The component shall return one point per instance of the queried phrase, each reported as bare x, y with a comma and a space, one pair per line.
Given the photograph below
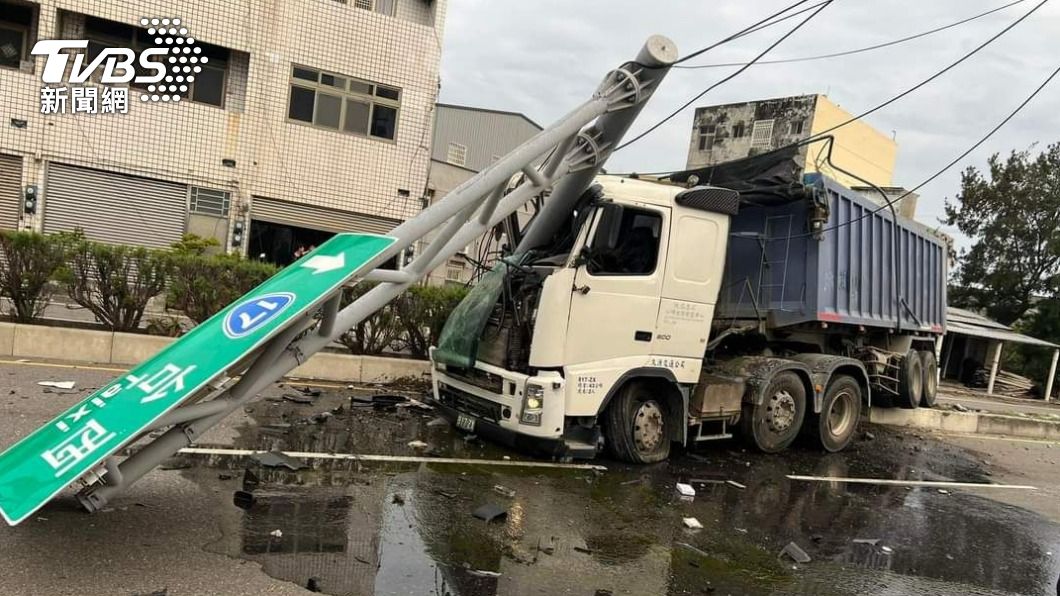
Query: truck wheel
772, 425
931, 379
840, 412
635, 426
910, 380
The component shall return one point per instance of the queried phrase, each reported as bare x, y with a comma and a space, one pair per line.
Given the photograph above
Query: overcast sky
545, 56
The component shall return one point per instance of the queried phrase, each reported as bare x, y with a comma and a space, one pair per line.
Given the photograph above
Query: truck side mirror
584, 257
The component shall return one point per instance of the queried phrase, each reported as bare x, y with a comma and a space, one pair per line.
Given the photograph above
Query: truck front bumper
509, 438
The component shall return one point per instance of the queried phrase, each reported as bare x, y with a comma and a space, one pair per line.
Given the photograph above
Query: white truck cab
632, 296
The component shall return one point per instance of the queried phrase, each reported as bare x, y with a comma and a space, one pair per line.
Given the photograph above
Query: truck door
617, 284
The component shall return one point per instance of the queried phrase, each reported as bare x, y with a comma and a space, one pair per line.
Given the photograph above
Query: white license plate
465, 422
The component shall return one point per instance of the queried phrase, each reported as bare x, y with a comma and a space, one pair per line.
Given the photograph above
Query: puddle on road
388, 529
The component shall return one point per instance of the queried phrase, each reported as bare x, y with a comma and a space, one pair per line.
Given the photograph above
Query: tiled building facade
310, 117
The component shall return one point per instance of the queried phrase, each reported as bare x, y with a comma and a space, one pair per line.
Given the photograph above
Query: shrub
115, 282
378, 332
166, 326
201, 285
28, 262
423, 311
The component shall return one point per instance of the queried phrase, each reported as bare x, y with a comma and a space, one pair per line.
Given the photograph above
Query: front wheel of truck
773, 424
635, 426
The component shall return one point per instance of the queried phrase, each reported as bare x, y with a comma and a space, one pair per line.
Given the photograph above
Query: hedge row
115, 284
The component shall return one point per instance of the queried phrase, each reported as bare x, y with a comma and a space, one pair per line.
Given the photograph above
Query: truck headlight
533, 404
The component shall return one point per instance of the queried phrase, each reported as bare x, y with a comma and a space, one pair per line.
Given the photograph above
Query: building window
795, 127
207, 201
210, 83
16, 21
762, 133
338, 102
381, 6
456, 154
706, 137
738, 130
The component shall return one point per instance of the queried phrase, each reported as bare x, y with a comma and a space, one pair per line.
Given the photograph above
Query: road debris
795, 552
243, 499
482, 573
503, 490
397, 499
490, 512
910, 483
735, 484
943, 491
276, 533
692, 523
439, 421
547, 545
418, 445
297, 399
57, 384
277, 459
961, 408
686, 490
313, 585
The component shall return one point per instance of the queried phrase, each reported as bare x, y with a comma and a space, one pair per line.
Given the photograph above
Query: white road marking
923, 483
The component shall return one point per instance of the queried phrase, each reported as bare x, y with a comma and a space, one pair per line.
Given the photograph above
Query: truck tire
772, 425
910, 380
635, 426
835, 426
930, 389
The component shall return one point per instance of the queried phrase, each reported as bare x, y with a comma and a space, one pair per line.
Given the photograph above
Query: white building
310, 117
465, 141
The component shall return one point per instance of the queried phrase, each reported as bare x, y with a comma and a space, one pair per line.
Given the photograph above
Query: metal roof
967, 322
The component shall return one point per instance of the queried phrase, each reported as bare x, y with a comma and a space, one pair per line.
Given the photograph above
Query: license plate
465, 422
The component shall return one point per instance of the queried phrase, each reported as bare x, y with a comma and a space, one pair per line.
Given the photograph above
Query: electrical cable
943, 170
823, 134
758, 26
728, 78
860, 50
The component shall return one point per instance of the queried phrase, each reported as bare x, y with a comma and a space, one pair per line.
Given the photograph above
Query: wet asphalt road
364, 529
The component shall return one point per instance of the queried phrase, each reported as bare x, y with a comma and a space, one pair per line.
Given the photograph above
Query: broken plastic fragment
692, 523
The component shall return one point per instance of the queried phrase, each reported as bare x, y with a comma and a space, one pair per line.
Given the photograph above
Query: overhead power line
949, 165
755, 27
860, 50
790, 32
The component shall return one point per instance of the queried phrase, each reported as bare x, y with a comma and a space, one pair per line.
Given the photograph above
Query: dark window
796, 127
626, 242
16, 21
738, 130
301, 104
338, 102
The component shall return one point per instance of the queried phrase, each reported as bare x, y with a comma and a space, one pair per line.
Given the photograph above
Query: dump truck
669, 312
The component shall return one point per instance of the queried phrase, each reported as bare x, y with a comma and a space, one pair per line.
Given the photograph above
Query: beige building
465, 141
310, 117
732, 131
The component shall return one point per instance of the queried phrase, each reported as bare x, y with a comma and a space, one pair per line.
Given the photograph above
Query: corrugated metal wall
10, 191
317, 218
776, 268
484, 133
114, 208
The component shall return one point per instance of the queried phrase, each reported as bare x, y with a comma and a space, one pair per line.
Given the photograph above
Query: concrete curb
128, 349
967, 422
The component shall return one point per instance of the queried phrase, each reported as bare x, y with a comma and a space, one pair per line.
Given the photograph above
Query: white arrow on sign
322, 263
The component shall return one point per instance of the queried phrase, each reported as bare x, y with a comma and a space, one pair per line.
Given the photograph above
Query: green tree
1012, 214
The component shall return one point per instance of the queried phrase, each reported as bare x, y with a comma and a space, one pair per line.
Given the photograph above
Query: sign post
39, 466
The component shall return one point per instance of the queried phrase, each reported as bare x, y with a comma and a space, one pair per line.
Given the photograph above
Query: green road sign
36, 468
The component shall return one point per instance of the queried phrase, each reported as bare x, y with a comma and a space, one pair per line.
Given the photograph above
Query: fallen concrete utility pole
919, 483
397, 458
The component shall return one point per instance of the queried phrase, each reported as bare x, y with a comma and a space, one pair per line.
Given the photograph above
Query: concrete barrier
36, 341
132, 348
967, 422
7, 339
129, 349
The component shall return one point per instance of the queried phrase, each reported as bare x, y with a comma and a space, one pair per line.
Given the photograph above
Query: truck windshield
458, 341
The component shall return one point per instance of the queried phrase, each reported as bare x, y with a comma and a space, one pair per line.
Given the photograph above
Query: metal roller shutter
317, 218
10, 191
114, 208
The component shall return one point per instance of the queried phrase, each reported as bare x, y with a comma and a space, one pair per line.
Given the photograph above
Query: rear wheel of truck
840, 411
635, 426
930, 387
910, 380
772, 425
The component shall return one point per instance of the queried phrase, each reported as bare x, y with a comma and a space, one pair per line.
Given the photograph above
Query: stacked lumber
1013, 385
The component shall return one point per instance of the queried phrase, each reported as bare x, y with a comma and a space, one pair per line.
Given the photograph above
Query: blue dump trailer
833, 257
